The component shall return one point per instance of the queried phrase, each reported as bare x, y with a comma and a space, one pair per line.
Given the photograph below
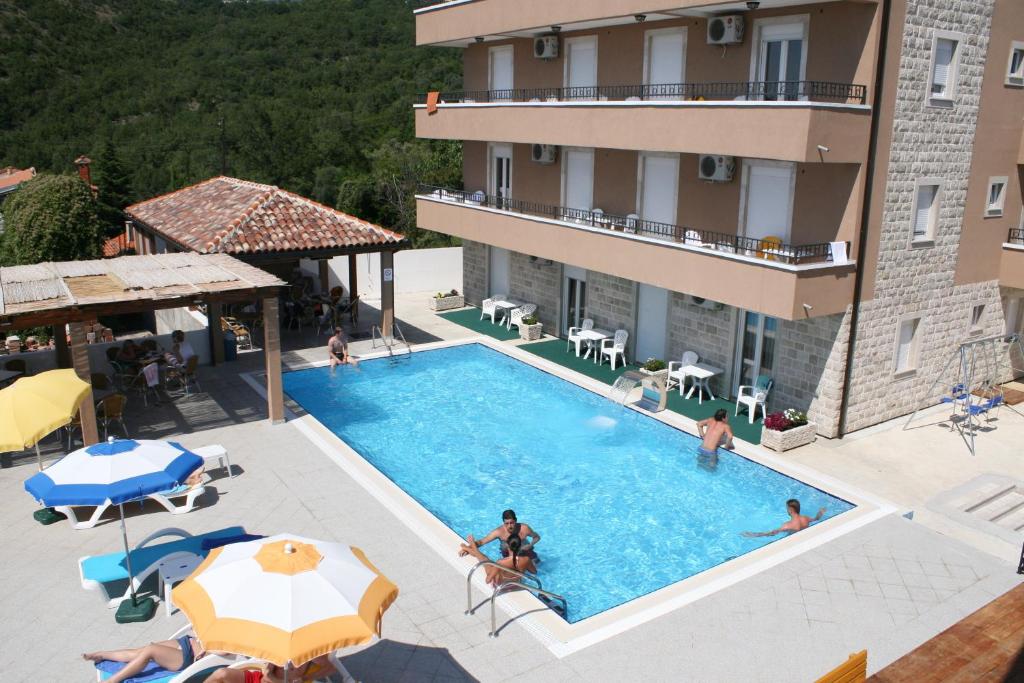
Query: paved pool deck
888, 586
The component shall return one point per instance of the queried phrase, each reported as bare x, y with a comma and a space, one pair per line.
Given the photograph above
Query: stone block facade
709, 333
927, 142
474, 271
537, 281
809, 364
611, 302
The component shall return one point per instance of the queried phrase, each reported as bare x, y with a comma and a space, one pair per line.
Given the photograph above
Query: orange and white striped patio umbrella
285, 598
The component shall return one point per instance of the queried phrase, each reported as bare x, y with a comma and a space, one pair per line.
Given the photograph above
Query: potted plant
443, 301
787, 429
531, 329
654, 367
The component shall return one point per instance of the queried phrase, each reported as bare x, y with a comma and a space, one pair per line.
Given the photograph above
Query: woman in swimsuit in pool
513, 560
173, 655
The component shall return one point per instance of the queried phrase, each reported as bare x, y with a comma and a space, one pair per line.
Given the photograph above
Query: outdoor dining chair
487, 308
614, 348
574, 335
518, 314
753, 396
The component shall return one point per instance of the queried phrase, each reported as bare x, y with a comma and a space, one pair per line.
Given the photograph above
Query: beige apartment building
825, 192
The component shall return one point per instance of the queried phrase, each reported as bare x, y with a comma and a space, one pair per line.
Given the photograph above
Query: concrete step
971, 500
998, 506
1013, 521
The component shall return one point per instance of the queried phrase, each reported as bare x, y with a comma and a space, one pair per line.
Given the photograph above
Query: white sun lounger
165, 498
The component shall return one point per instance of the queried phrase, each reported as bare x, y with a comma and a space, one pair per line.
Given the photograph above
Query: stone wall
537, 281
809, 366
936, 142
707, 332
474, 271
611, 302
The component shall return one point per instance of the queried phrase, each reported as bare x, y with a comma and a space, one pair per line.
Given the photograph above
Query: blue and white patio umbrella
117, 471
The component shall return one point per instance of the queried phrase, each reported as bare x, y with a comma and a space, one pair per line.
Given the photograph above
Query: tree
51, 218
114, 185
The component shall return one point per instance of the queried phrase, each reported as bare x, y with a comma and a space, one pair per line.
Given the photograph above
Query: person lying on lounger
797, 522
272, 673
173, 655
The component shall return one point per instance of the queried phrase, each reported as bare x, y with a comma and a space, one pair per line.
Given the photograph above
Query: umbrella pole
128, 557
39, 457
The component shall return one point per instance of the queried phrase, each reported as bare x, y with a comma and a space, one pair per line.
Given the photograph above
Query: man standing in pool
510, 526
797, 522
715, 431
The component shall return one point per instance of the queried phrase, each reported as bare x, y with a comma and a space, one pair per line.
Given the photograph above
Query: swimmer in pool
797, 522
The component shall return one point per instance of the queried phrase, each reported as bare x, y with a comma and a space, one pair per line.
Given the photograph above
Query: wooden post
325, 276
353, 287
80, 360
272, 351
214, 311
387, 292
60, 339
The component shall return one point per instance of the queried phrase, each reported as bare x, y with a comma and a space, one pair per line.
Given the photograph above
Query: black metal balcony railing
815, 91
1016, 236
772, 249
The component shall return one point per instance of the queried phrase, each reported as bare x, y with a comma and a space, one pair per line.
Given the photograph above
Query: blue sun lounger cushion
153, 673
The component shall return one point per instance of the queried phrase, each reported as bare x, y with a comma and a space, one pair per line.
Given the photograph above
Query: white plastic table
593, 339
506, 305
702, 374
175, 570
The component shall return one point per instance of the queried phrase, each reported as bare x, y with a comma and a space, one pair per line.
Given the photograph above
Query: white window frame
933, 223
1013, 324
563, 157
565, 59
741, 225
949, 96
648, 35
975, 327
995, 210
640, 182
1015, 78
493, 148
490, 63
914, 357
755, 52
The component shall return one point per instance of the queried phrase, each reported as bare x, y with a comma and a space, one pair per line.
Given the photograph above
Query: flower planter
531, 332
655, 373
791, 438
447, 302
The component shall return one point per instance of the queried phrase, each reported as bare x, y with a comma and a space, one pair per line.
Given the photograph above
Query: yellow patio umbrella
34, 406
285, 599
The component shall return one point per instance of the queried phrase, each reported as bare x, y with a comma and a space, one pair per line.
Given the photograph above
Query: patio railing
762, 91
1016, 236
769, 248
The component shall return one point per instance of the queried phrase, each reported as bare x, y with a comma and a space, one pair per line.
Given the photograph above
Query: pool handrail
505, 585
469, 580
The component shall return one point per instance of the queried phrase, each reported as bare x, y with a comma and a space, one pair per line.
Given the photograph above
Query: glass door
781, 60
575, 297
500, 180
755, 348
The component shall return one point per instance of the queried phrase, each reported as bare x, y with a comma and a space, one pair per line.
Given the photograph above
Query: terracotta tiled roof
232, 216
11, 177
116, 246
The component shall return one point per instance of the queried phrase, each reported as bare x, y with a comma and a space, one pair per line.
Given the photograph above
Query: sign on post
389, 275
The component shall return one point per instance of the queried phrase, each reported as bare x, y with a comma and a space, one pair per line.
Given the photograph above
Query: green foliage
50, 218
654, 365
313, 96
531, 320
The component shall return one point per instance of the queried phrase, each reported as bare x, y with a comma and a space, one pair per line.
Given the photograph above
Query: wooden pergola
77, 292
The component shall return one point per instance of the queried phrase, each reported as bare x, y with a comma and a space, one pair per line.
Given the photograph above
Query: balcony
803, 121
1011, 270
764, 275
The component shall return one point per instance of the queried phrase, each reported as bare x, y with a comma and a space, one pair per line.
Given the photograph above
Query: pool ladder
396, 340
544, 595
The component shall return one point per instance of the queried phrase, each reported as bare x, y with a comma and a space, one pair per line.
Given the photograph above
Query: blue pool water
618, 498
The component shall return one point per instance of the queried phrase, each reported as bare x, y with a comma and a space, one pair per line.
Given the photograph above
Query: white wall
416, 270
170, 319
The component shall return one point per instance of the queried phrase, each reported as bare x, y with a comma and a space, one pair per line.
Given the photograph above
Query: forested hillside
311, 95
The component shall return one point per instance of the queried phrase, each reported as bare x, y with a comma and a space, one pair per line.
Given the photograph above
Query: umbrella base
142, 610
47, 516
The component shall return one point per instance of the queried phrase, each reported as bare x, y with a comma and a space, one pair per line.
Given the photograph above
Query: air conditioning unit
716, 168
706, 303
545, 47
544, 154
727, 30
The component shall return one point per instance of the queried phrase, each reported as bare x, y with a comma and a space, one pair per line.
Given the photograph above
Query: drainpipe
858, 282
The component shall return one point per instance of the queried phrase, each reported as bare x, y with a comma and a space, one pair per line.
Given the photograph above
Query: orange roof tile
11, 177
116, 246
232, 216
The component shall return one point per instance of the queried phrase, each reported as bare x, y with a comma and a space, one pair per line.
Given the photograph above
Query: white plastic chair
614, 348
487, 308
632, 220
574, 335
754, 396
675, 368
693, 238
517, 315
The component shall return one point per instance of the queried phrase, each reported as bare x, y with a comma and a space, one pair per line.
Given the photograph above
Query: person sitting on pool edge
337, 350
516, 559
715, 431
797, 522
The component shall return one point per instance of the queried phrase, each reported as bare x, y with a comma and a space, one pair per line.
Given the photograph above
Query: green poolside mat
470, 317
555, 351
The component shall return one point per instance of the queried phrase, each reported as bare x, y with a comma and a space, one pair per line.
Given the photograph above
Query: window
926, 203
977, 314
996, 196
908, 339
1013, 315
1015, 69
945, 67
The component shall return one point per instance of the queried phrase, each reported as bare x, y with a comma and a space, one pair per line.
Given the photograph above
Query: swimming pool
622, 505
